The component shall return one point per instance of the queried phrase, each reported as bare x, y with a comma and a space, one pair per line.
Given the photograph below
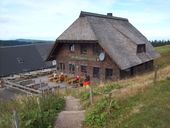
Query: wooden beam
23, 88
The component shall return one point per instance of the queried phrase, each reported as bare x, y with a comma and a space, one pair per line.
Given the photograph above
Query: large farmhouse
104, 47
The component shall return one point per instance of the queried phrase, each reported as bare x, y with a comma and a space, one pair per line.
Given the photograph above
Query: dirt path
73, 116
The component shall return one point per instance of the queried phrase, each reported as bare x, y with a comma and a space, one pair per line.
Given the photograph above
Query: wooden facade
136, 70
79, 62
83, 58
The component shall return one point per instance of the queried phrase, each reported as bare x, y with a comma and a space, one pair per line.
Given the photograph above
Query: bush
98, 91
99, 116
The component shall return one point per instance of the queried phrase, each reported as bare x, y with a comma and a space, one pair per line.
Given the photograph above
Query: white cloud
47, 19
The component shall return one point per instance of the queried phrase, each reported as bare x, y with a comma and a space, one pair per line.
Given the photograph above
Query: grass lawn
164, 60
150, 109
163, 49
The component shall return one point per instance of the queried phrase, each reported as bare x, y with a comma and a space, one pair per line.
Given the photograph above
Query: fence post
91, 96
16, 119
66, 89
155, 74
58, 90
78, 90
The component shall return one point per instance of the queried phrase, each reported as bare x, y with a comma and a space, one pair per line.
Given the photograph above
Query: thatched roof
115, 35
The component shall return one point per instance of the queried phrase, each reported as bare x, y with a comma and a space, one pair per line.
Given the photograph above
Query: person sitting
61, 77
77, 78
54, 75
86, 82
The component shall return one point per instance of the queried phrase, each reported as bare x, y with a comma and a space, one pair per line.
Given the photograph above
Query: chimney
109, 14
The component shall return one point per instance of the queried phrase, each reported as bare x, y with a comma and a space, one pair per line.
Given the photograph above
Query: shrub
99, 115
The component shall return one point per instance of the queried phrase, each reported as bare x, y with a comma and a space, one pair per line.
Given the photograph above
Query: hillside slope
149, 109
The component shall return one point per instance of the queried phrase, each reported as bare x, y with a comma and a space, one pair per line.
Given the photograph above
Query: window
109, 73
20, 60
72, 68
149, 65
83, 69
141, 48
72, 47
127, 72
83, 49
61, 66
96, 49
96, 72
58, 67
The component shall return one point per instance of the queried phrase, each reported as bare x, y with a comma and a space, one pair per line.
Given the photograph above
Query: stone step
72, 104
70, 119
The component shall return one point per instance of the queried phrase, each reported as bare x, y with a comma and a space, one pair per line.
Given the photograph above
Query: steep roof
23, 58
79, 30
115, 35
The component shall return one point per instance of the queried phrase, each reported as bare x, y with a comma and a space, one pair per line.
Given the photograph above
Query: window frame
83, 49
108, 75
96, 73
20, 60
96, 49
62, 66
83, 70
71, 68
72, 47
141, 48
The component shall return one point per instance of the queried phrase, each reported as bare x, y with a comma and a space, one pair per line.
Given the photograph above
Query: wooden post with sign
155, 74
91, 96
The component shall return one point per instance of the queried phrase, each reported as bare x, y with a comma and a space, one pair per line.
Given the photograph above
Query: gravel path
73, 116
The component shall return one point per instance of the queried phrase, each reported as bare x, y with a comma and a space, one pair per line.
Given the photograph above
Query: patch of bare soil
9, 94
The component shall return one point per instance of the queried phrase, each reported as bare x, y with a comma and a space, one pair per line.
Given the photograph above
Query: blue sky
47, 19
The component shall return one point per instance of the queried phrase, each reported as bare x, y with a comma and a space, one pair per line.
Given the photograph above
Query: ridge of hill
22, 42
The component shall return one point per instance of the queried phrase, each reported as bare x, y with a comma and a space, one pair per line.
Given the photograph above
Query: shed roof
115, 35
23, 58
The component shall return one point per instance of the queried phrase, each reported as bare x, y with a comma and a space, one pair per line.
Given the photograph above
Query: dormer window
141, 48
72, 47
20, 60
96, 49
83, 49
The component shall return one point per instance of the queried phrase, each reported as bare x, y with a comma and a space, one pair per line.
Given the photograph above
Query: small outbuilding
24, 58
104, 47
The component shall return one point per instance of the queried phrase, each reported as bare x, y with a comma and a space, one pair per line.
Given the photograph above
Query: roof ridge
122, 33
25, 45
83, 14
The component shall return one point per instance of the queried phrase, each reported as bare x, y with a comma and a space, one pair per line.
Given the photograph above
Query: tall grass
149, 109
33, 111
129, 100
164, 60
